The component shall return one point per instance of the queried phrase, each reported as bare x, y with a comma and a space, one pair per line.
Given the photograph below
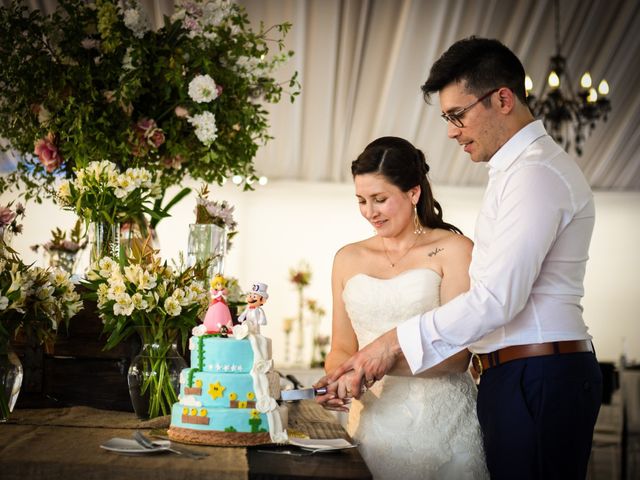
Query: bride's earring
417, 226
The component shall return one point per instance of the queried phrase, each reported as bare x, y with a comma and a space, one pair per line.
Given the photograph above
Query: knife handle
320, 391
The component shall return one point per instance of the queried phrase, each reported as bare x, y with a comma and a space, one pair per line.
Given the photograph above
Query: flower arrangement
183, 99
59, 242
101, 193
61, 251
160, 303
218, 213
34, 302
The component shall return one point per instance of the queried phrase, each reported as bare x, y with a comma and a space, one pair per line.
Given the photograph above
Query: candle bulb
603, 88
554, 80
585, 81
528, 84
593, 96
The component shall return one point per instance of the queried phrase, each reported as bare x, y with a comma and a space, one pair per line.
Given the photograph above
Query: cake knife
306, 393
302, 393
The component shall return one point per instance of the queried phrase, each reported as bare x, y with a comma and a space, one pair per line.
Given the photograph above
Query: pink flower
157, 138
6, 216
48, 153
181, 112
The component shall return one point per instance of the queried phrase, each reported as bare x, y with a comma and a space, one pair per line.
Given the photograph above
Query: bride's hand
339, 395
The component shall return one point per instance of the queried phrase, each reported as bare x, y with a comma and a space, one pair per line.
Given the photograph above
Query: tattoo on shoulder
435, 252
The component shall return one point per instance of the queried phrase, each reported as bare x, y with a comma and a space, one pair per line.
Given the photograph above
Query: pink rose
6, 216
157, 138
48, 153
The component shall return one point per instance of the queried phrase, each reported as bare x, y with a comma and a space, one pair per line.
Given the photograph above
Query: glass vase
133, 234
207, 242
10, 380
105, 240
154, 375
63, 259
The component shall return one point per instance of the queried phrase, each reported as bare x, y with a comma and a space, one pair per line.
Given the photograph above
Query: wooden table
65, 444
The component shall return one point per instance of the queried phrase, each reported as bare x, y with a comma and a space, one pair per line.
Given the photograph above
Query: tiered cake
228, 396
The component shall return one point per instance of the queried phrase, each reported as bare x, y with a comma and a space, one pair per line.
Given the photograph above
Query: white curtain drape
361, 64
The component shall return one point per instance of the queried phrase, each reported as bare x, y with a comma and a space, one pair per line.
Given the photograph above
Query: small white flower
240, 331
199, 330
281, 437
203, 89
172, 307
266, 404
139, 302
263, 366
123, 305
205, 127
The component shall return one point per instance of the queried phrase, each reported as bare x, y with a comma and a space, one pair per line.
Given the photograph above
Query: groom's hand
368, 365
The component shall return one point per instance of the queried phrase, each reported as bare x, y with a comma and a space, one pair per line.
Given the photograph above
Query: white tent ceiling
361, 64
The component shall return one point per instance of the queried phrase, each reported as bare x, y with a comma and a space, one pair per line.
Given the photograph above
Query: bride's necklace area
386, 253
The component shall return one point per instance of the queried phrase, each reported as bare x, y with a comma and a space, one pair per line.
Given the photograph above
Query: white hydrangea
136, 21
203, 89
205, 127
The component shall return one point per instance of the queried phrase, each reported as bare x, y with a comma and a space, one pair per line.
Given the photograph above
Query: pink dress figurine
218, 314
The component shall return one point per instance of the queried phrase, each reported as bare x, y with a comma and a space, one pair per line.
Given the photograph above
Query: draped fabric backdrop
361, 64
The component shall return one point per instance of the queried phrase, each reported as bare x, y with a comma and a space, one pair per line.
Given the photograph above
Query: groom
540, 383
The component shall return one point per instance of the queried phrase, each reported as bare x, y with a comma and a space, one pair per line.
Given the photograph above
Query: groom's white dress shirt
528, 263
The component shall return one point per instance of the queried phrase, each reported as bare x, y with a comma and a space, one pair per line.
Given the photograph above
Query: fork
148, 443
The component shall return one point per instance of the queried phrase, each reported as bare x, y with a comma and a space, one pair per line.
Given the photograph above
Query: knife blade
308, 393
302, 393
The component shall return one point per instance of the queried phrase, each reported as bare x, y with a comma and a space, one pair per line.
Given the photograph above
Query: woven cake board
217, 439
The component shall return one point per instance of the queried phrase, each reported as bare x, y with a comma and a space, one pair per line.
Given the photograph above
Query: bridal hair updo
404, 166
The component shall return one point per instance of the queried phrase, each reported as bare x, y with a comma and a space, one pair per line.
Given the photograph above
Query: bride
424, 426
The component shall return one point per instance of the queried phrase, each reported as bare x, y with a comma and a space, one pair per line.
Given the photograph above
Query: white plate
322, 445
131, 447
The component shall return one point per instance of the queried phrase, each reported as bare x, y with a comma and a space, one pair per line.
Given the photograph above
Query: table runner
62, 444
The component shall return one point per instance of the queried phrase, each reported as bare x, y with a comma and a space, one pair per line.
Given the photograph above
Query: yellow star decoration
216, 390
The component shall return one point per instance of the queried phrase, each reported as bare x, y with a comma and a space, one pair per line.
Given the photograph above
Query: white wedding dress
411, 427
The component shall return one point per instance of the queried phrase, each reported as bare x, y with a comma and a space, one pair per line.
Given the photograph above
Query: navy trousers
537, 416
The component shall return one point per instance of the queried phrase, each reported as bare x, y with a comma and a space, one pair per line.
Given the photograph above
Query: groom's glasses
456, 117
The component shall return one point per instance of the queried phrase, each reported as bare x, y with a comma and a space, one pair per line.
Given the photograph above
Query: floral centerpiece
102, 195
160, 303
211, 234
96, 81
33, 302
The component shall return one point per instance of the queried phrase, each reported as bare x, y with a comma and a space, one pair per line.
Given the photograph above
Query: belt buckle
476, 363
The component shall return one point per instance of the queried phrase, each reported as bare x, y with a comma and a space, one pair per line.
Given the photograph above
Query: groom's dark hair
482, 64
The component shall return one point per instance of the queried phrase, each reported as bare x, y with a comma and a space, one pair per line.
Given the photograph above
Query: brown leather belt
483, 361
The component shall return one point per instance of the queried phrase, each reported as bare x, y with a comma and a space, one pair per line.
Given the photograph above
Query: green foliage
94, 82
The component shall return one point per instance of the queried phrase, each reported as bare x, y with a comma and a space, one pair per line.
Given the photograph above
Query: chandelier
569, 117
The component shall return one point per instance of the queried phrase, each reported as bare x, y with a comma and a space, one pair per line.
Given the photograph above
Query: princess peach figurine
218, 314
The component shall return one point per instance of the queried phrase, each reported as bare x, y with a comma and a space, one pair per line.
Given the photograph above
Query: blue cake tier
216, 389
219, 419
